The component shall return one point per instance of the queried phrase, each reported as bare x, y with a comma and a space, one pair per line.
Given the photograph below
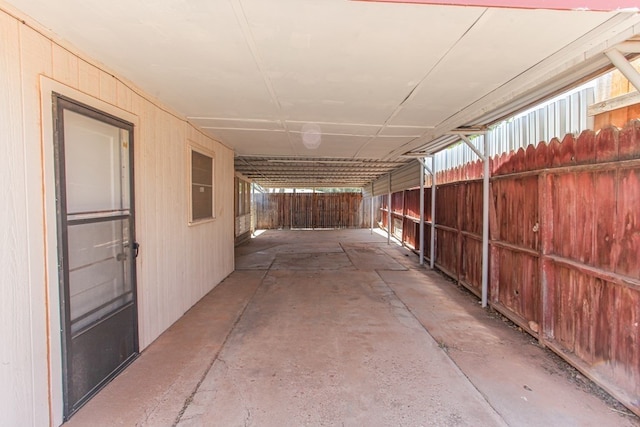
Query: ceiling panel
381, 146
500, 46
414, 131
337, 128
349, 61
230, 124
378, 79
331, 145
255, 142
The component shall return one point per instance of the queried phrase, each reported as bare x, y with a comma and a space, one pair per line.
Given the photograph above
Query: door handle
136, 249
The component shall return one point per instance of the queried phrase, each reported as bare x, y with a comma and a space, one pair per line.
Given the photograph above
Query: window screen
201, 186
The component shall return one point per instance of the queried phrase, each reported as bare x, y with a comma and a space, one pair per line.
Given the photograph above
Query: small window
201, 185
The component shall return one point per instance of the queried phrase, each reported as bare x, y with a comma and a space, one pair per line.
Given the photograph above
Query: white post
252, 207
389, 214
485, 223
624, 66
372, 196
432, 258
421, 212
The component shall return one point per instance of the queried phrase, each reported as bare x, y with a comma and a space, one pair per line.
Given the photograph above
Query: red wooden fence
564, 246
312, 210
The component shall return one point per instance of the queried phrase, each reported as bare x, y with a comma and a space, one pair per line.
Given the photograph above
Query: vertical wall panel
89, 79
65, 66
108, 91
16, 373
123, 96
35, 60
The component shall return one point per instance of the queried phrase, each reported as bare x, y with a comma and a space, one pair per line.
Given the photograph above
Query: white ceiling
379, 79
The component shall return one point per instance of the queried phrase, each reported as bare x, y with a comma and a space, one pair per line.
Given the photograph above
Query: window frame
191, 148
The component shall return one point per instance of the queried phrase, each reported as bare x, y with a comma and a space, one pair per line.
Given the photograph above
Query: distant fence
312, 210
564, 246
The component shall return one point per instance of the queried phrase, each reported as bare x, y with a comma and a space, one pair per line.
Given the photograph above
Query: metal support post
372, 196
421, 211
485, 224
389, 214
432, 258
624, 66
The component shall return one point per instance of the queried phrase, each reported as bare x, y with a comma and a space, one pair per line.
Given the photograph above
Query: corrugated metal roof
276, 172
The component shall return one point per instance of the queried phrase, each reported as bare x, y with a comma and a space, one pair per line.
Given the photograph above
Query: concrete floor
326, 328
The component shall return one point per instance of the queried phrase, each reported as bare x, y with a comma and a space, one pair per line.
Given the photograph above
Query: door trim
52, 317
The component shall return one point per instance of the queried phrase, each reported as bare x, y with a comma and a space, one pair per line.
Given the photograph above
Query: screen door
97, 249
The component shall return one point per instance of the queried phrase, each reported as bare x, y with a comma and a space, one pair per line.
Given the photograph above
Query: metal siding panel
406, 177
381, 186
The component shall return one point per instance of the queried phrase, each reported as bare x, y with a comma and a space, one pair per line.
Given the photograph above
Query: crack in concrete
408, 309
189, 399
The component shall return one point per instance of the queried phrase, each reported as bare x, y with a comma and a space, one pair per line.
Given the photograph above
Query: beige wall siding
16, 373
178, 264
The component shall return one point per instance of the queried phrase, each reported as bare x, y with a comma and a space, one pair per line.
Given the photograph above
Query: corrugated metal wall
567, 115
407, 176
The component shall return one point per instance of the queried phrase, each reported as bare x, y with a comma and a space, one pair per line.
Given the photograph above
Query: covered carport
306, 94
335, 327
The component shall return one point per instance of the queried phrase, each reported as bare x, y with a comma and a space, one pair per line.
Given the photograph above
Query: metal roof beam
465, 138
621, 63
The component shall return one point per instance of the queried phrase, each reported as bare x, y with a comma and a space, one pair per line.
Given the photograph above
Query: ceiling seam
615, 21
528, 70
241, 17
395, 112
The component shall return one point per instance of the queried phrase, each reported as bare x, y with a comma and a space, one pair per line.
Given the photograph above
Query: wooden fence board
313, 210
628, 223
605, 218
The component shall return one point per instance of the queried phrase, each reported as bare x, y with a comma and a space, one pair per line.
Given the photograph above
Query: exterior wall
178, 264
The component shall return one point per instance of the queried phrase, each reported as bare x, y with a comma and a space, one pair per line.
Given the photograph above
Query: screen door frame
60, 104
